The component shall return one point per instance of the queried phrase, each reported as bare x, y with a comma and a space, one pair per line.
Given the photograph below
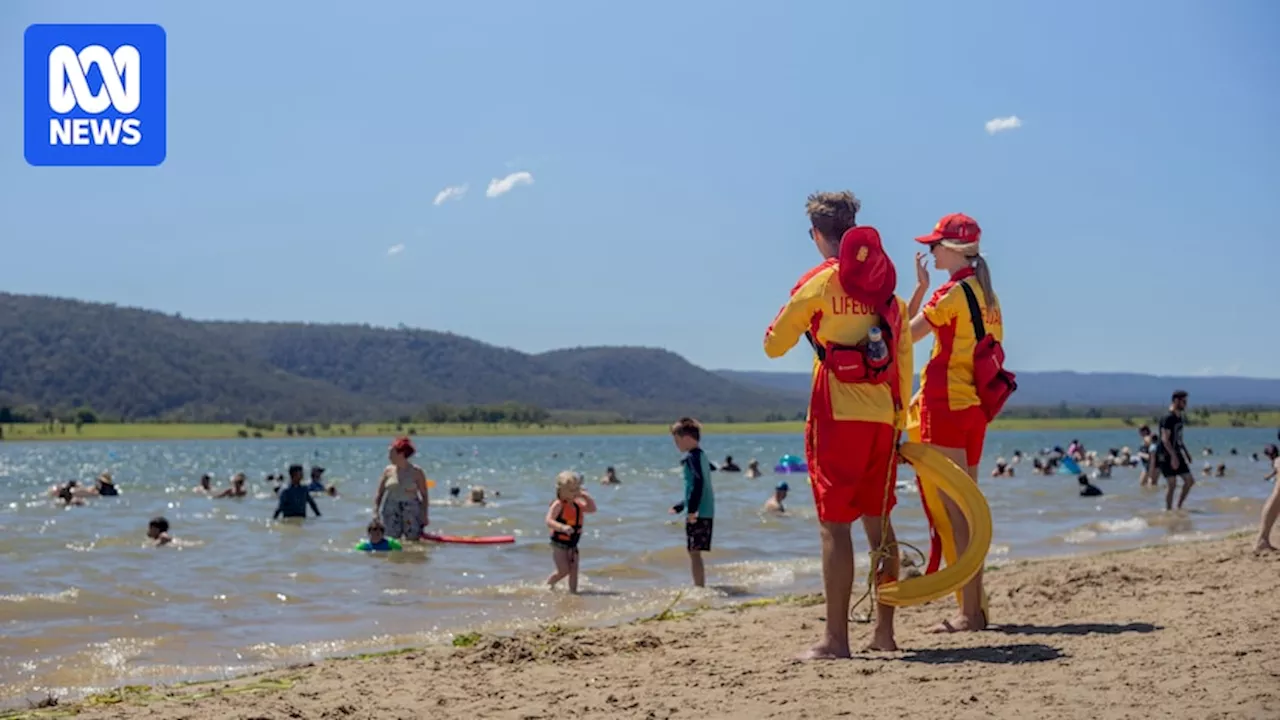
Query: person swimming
610, 477
378, 540
774, 503
237, 489
1088, 489
206, 484
1002, 469
158, 531
729, 465
753, 469
106, 486
475, 495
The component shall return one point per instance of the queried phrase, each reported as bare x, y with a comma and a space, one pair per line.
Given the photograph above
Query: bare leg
837, 585
970, 618
890, 565
1168, 493
1188, 481
573, 570
699, 571
561, 557
1270, 511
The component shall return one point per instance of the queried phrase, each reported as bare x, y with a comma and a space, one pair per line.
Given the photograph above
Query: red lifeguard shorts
957, 429
852, 465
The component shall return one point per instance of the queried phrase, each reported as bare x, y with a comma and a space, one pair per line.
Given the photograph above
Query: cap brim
930, 239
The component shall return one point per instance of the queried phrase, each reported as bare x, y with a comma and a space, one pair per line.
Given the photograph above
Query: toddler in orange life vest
564, 517
861, 386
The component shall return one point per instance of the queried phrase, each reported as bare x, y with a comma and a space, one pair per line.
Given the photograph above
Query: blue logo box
94, 95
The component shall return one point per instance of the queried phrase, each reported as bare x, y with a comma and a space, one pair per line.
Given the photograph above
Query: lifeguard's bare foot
1264, 546
881, 643
960, 623
825, 651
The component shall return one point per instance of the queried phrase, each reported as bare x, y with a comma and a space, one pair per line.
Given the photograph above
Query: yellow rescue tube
938, 477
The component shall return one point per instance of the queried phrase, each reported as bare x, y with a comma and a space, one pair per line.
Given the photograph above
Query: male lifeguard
857, 403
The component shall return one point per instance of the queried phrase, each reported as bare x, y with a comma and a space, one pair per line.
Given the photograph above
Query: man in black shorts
1172, 457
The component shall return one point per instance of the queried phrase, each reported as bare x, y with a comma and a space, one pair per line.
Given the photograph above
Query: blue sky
1130, 221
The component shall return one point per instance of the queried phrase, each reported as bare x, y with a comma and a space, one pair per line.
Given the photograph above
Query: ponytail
982, 274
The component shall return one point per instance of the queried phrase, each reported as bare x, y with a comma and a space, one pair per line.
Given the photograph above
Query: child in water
564, 517
699, 500
158, 531
378, 539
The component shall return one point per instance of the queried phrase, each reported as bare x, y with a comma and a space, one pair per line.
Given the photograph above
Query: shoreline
135, 432
1155, 594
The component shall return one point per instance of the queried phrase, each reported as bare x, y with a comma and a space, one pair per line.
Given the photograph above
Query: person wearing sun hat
106, 485
951, 415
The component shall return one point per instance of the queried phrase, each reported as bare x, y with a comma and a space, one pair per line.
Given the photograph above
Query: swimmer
610, 477
476, 495
1270, 510
1104, 468
206, 484
564, 518
158, 531
774, 504
1233, 451
455, 493
1001, 469
1207, 451
1017, 457
68, 493
106, 486
237, 489
729, 465
753, 469
317, 480
378, 540
1088, 489
295, 498
1221, 470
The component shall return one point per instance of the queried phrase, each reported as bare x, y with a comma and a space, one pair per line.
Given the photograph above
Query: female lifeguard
951, 415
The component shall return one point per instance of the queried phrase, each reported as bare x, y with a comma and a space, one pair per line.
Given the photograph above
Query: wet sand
1177, 631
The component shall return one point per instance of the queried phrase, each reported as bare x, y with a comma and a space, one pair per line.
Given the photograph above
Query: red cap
866, 272
956, 227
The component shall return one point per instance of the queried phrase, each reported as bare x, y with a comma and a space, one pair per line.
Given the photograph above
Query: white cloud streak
395, 249
999, 125
505, 185
453, 192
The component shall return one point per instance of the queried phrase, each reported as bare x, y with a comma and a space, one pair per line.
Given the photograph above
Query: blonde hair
981, 272
568, 481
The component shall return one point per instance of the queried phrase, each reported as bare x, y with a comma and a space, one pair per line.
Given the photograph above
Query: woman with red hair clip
401, 500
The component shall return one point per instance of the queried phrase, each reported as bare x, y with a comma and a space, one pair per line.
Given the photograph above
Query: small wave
1109, 528
66, 596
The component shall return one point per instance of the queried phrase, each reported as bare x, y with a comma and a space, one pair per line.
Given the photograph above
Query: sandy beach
1176, 631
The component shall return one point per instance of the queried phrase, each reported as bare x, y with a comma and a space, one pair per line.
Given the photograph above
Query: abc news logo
69, 88
95, 95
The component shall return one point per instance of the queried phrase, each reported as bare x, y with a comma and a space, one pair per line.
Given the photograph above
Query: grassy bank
184, 431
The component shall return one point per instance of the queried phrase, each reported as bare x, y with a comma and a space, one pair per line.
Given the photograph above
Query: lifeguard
861, 382
958, 395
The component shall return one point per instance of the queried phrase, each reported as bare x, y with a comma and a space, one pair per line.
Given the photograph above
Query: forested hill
126, 363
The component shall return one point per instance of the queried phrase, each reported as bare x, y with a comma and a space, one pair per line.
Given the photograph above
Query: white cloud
453, 192
504, 186
997, 125
395, 249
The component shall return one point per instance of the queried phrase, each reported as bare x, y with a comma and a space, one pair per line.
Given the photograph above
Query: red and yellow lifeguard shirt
819, 305
949, 375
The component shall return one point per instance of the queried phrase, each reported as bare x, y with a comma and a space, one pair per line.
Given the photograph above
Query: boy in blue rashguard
699, 499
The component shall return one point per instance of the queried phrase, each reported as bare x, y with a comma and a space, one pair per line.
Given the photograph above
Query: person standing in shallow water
401, 499
951, 417
1172, 457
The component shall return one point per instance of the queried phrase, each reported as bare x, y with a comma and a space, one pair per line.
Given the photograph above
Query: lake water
85, 604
